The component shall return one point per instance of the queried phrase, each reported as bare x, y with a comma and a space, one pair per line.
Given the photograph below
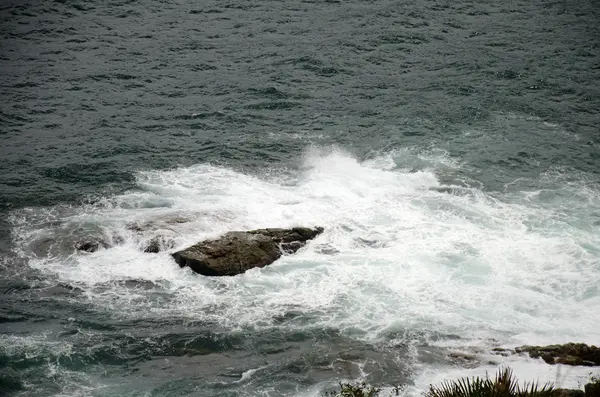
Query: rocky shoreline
576, 354
567, 354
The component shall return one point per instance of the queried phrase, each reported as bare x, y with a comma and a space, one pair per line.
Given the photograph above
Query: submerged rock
502, 351
91, 245
568, 354
161, 223
42, 247
60, 289
236, 252
157, 244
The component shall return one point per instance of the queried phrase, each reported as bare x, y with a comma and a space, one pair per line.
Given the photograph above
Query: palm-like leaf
503, 385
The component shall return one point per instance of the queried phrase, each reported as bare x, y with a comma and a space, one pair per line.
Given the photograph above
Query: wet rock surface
166, 222
238, 251
567, 354
157, 244
91, 245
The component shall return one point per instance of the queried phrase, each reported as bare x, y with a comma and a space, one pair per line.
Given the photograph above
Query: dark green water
451, 149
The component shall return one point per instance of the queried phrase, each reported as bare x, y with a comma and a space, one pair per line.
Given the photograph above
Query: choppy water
450, 149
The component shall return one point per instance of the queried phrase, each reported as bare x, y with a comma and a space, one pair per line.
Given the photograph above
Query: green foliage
592, 388
361, 389
503, 385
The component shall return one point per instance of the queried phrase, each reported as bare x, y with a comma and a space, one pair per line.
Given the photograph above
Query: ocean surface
450, 149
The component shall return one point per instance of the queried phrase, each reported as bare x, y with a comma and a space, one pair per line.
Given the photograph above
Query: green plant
592, 388
361, 389
503, 385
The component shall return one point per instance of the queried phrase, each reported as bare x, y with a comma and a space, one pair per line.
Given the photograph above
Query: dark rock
152, 246
568, 393
138, 284
592, 389
459, 357
502, 351
158, 243
135, 227
91, 246
236, 252
568, 354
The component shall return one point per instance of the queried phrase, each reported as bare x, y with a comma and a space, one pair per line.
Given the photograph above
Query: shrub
361, 389
503, 385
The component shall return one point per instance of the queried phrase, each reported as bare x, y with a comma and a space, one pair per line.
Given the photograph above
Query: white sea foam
400, 252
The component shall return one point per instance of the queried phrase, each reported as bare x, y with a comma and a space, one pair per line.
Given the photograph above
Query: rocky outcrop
236, 252
568, 354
